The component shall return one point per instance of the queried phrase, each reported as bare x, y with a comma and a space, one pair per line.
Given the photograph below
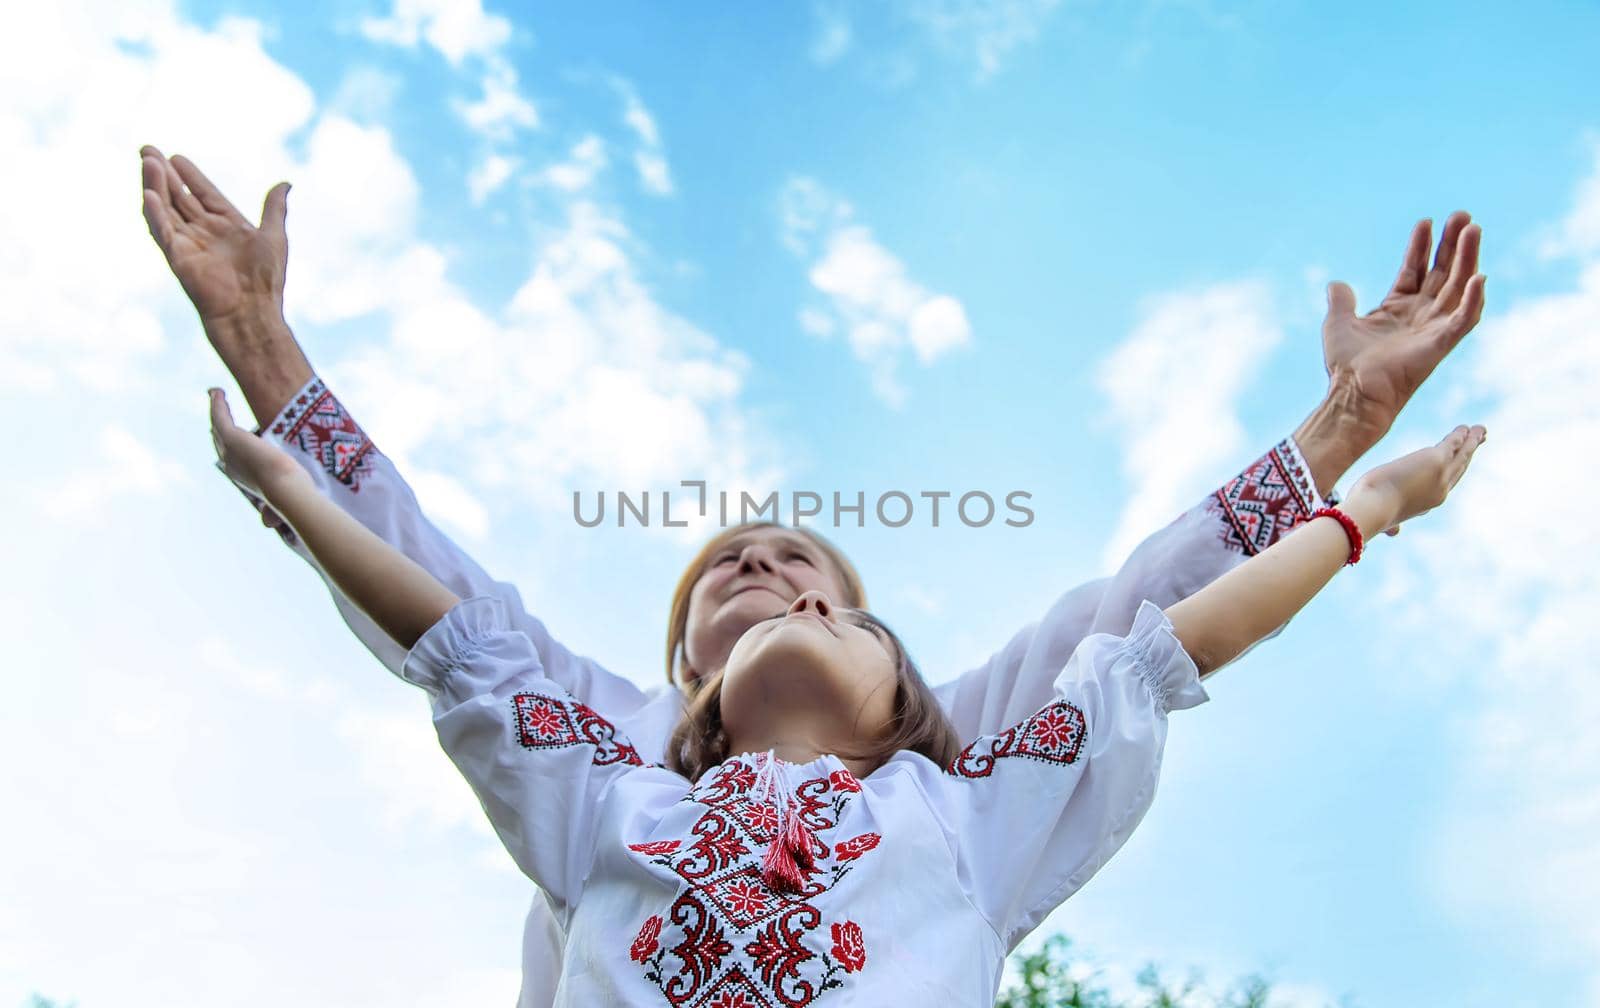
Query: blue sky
895, 245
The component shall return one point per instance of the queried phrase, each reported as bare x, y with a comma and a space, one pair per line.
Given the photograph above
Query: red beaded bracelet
1350, 530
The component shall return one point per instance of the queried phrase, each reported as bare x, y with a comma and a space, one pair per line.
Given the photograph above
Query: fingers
153, 172
181, 199
1341, 300
159, 220
1469, 311
208, 194
221, 415
1445, 256
1415, 264
275, 210
1462, 268
158, 213
1463, 441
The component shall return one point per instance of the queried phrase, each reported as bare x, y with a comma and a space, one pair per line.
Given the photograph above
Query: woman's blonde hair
855, 596
700, 742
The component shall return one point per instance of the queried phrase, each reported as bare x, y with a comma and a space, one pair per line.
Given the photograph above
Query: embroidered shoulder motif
1054, 735
730, 941
1273, 496
547, 722
318, 424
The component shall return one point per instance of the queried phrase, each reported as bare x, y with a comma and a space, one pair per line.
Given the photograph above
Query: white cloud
489, 175
984, 31
654, 174
456, 28
365, 94
649, 158
979, 33
503, 110
832, 35
1191, 355
1513, 560
1578, 233
122, 464
397, 756
585, 161
870, 296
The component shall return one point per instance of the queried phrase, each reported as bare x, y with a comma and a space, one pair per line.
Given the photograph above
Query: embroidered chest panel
733, 937
729, 940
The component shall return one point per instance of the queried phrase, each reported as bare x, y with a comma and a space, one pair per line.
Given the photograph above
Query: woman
816, 830
234, 272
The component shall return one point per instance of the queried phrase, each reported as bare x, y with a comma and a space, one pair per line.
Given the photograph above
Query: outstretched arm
234, 273
399, 596
1223, 619
1030, 830
539, 761
1375, 363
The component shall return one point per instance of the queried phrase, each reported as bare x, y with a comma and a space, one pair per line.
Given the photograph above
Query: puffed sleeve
1035, 810
540, 762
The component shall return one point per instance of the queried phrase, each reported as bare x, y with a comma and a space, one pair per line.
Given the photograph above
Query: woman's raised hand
226, 265
257, 464
1417, 483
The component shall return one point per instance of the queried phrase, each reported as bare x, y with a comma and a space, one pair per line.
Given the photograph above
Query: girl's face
811, 672
754, 575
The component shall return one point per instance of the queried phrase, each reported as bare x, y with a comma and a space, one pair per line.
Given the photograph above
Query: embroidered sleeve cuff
315, 427
1271, 498
461, 632
294, 407
1160, 660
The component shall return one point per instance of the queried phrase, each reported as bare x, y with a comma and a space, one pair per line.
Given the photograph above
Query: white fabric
1171, 564
925, 877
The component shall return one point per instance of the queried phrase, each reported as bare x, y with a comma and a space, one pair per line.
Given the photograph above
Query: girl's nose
813, 601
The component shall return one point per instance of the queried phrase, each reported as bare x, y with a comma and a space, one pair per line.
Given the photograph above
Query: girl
817, 834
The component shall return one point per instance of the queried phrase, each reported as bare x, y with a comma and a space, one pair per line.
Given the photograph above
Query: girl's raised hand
1417, 483
259, 465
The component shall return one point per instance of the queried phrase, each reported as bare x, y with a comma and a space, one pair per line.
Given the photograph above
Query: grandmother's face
755, 574
812, 658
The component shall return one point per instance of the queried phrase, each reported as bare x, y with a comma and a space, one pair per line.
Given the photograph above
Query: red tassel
779, 870
800, 842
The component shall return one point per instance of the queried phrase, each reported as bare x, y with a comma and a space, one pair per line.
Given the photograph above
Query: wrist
1373, 510
1341, 429
259, 349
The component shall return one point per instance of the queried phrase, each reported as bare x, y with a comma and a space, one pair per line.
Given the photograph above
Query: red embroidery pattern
655, 847
1054, 735
318, 424
644, 946
547, 722
848, 947
731, 941
1272, 497
844, 780
855, 846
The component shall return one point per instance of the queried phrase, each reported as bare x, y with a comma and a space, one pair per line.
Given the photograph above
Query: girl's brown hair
699, 742
855, 596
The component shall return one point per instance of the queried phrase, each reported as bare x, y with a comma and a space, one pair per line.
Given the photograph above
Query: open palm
226, 264
1381, 358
